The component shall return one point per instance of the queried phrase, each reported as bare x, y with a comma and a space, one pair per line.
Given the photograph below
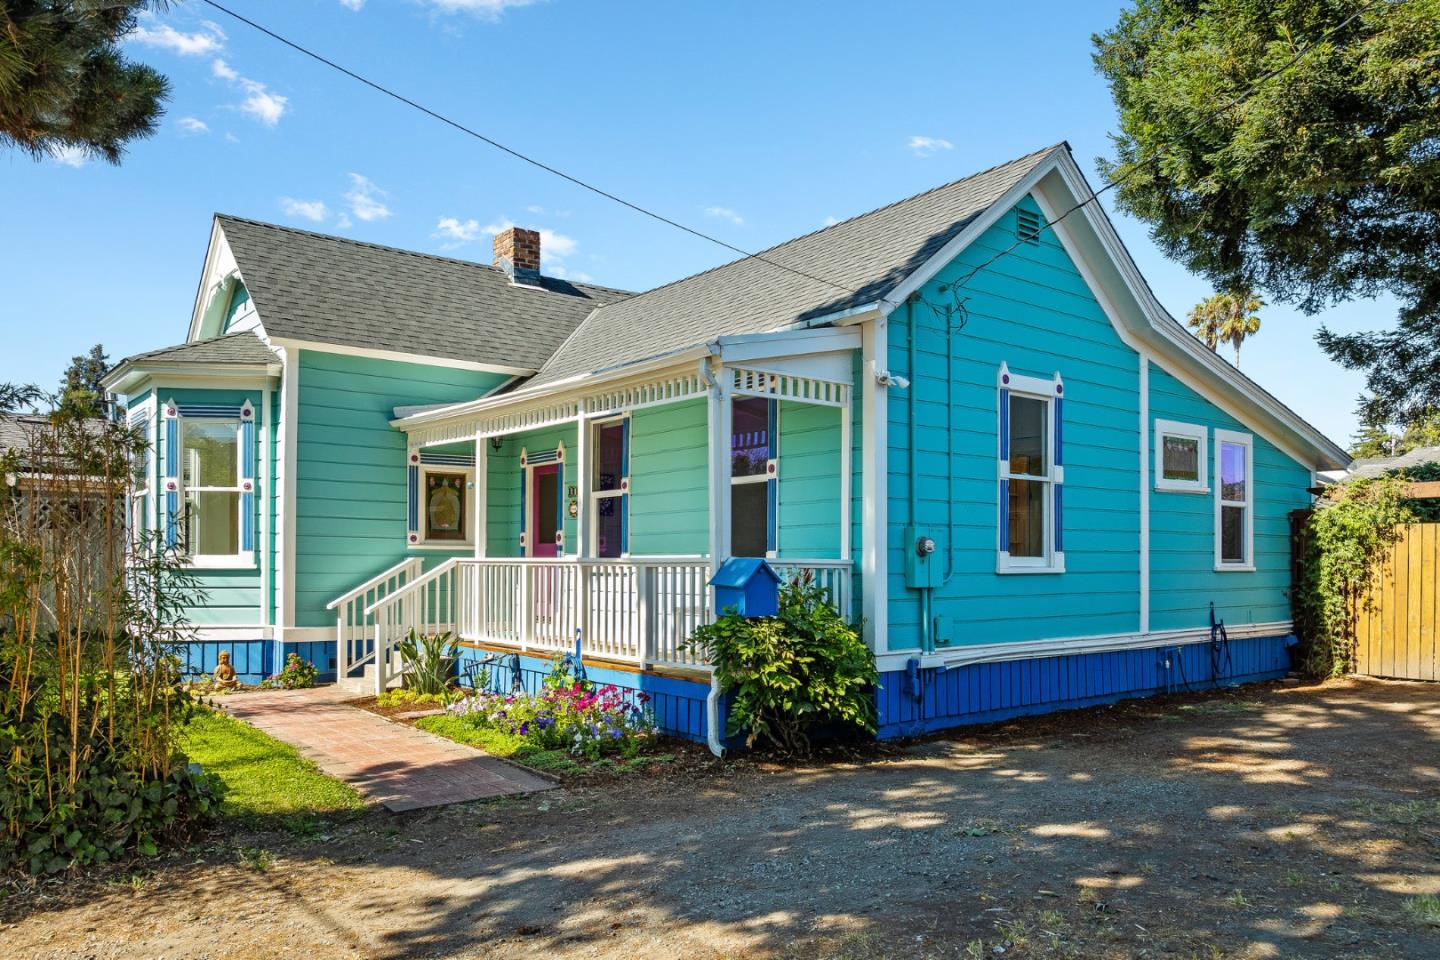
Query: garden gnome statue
225, 677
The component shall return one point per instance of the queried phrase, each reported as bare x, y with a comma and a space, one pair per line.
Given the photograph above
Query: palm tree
1239, 319
1205, 321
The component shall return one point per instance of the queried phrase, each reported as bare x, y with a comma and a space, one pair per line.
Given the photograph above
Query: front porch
599, 516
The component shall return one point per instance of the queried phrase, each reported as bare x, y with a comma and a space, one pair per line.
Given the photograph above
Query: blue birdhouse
749, 585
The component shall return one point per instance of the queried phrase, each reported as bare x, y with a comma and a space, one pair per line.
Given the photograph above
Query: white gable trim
1150, 325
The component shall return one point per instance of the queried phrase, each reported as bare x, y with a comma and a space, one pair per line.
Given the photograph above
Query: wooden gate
1395, 632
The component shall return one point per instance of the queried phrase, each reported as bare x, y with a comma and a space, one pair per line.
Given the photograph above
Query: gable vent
1028, 226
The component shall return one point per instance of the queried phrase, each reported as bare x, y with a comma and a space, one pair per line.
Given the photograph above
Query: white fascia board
787, 343
488, 404
428, 360
202, 291
847, 317
186, 375
982, 222
1163, 332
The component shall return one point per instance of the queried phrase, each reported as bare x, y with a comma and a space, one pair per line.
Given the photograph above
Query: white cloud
192, 125
231, 138
364, 199
484, 9
312, 210
342, 222
725, 213
831, 220
259, 102
457, 231
210, 39
352, 4
560, 273
925, 146
70, 156
540, 211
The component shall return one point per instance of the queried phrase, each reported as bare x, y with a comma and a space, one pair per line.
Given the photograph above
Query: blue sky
753, 121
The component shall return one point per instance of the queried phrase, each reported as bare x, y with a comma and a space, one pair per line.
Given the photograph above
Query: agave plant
428, 659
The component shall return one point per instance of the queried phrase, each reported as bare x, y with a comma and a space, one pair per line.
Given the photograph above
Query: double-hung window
1031, 475
210, 464
1234, 501
1181, 458
608, 488
752, 477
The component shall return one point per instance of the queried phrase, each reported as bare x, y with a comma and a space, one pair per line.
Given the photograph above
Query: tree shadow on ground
1260, 823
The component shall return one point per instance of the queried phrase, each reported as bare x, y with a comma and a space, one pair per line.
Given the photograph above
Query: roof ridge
831, 226
315, 234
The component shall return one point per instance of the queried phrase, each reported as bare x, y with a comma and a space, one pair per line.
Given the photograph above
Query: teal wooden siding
350, 468
1183, 578
226, 597
808, 510
502, 496
669, 476
1033, 311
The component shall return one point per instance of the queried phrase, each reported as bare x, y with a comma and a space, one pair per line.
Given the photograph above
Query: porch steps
363, 684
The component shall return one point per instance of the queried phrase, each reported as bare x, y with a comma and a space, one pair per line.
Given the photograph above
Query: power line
746, 254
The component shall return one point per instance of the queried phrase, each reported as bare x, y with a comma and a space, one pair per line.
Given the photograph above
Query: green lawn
263, 777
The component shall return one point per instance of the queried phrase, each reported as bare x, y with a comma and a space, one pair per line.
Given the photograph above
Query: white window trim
593, 532
772, 470
1248, 442
427, 544
1189, 431
1034, 388
214, 561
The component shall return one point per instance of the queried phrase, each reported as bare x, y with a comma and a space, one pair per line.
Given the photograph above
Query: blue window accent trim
1004, 424
772, 489
1004, 515
210, 410
447, 459
247, 484
412, 481
542, 458
1059, 518
524, 495
772, 486
172, 475
1059, 431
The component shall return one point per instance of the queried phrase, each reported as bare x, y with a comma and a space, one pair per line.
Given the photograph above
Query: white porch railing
638, 610
354, 627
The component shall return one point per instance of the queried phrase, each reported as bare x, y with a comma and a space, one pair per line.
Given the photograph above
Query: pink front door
544, 510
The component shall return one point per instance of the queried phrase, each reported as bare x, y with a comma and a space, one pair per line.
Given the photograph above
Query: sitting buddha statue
225, 676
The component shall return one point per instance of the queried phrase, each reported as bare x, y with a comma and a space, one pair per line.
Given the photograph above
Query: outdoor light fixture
495, 443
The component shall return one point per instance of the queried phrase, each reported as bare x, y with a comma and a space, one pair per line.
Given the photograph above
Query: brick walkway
399, 766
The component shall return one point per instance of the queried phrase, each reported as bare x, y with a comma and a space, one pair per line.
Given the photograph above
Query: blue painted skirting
678, 705
253, 660
986, 692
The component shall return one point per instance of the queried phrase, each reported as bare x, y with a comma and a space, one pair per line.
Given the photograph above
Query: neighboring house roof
1378, 466
316, 288
23, 433
860, 260
16, 429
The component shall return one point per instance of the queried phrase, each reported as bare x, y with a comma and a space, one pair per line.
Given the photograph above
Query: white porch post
581, 548
847, 419
719, 461
875, 442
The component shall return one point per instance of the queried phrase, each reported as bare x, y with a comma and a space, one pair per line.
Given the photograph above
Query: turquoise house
1034, 488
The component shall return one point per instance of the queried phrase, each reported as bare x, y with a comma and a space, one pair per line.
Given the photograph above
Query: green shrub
404, 696
792, 673
428, 660
299, 674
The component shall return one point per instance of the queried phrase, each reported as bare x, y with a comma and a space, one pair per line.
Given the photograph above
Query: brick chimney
517, 252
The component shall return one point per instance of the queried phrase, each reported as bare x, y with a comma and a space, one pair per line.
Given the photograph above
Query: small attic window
1028, 225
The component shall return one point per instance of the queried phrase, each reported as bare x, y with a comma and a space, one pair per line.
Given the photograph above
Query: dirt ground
1266, 823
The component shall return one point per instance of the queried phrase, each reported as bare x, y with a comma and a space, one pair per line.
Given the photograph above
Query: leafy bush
428, 660
404, 696
1352, 527
91, 703
792, 673
298, 674
587, 723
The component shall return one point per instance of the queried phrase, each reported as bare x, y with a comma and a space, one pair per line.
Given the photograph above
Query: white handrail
372, 582
413, 585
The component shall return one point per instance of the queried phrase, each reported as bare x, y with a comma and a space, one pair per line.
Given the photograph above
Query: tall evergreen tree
80, 390
1324, 185
64, 83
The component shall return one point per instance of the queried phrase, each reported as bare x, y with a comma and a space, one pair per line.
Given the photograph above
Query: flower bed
570, 717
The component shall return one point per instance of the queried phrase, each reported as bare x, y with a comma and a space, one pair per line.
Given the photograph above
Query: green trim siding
1183, 578
350, 468
1033, 311
808, 511
669, 480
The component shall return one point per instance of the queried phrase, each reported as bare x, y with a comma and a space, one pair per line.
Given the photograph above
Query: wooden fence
1395, 625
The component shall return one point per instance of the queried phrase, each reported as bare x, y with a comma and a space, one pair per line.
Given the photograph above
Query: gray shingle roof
1379, 466
243, 347
864, 257
308, 286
